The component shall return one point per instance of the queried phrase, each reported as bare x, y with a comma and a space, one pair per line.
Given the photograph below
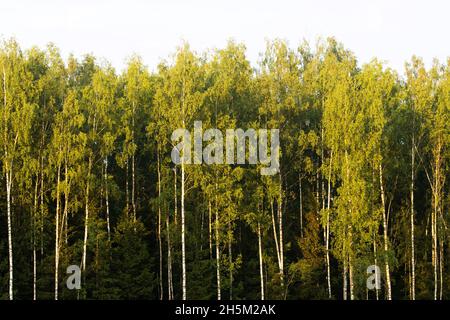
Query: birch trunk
261, 275
230, 260
161, 288
413, 275
183, 240
350, 277
275, 234
327, 239
385, 236
210, 229
376, 264
133, 186
280, 225
10, 246
300, 203
219, 289
8, 166
127, 196
58, 205
169, 260
108, 223
434, 234
133, 164
33, 222
344, 279
42, 208
86, 218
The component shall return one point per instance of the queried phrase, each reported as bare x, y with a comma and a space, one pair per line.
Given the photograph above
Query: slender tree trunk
441, 267
8, 194
127, 192
261, 275
435, 243
219, 288
434, 247
183, 235
376, 264
169, 250
42, 209
175, 196
436, 208
133, 186
230, 260
300, 203
58, 206
210, 229
64, 223
169, 259
86, 217
327, 239
275, 234
133, 165
108, 222
280, 225
350, 277
413, 264
344, 278
10, 245
33, 222
385, 236
161, 288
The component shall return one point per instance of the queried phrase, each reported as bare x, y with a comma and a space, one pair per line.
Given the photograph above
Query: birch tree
17, 112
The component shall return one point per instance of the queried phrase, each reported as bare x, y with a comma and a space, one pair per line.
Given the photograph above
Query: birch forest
87, 177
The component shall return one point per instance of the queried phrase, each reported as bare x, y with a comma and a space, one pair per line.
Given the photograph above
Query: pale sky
392, 30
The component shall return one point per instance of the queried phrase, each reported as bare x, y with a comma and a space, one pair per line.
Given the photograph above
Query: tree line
88, 180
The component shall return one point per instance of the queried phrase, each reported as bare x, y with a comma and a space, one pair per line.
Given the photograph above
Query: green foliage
86, 153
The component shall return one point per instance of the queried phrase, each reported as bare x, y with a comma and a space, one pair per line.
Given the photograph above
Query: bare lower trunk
275, 234
376, 264
183, 235
327, 238
127, 196
219, 289
42, 209
350, 278
344, 280
413, 264
58, 205
385, 236
169, 245
64, 219
133, 187
8, 195
441, 267
133, 164
10, 246
261, 275
280, 225
300, 204
108, 223
161, 288
436, 209
86, 217
33, 222
230, 260
210, 229
169, 260
435, 256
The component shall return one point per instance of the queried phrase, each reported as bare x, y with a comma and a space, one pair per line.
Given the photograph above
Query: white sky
392, 30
